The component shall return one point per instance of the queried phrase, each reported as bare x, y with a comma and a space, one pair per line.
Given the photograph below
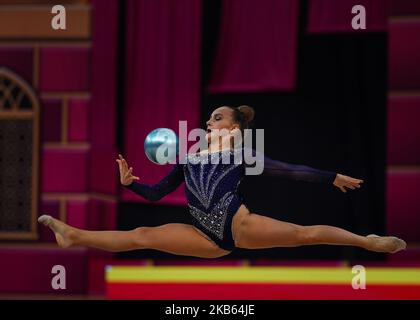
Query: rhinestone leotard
211, 188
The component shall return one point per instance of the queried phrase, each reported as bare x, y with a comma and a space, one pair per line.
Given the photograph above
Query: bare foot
386, 244
64, 234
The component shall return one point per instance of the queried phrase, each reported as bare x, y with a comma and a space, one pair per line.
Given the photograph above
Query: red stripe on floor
187, 291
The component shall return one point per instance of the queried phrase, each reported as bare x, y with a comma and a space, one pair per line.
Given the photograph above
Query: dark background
335, 120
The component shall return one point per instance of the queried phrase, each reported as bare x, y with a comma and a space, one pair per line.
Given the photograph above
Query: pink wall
76, 84
403, 202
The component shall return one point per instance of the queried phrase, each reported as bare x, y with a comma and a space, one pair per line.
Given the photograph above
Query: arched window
19, 157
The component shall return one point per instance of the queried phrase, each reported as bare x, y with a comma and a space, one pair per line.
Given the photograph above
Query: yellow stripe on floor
272, 275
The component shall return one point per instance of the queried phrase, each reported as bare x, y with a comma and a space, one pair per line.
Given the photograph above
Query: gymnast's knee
140, 237
305, 235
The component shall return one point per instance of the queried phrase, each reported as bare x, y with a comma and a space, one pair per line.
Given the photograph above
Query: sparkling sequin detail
204, 181
204, 188
214, 220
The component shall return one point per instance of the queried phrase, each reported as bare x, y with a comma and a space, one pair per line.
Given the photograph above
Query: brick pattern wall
58, 65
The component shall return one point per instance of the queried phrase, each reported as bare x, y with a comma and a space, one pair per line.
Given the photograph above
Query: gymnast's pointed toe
45, 219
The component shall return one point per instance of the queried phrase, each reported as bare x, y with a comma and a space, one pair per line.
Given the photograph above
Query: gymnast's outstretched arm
150, 192
305, 173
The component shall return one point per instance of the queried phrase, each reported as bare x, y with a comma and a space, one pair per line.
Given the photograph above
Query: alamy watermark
359, 20
58, 22
241, 147
58, 282
359, 280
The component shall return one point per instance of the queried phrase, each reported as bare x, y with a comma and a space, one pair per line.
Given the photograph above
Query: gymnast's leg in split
175, 238
253, 231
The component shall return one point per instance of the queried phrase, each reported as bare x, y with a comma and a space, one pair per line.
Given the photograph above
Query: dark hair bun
248, 113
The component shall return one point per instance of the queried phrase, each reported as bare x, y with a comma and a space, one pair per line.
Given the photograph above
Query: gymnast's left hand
342, 182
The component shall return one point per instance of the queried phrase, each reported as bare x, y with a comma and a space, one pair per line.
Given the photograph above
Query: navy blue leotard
211, 188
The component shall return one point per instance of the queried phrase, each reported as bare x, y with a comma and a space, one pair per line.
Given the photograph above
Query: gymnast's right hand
126, 174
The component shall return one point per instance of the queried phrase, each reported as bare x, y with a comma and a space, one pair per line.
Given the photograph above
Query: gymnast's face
221, 118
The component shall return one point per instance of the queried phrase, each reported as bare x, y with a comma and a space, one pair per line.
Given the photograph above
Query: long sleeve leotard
211, 188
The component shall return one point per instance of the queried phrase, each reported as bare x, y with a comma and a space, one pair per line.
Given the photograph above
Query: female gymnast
221, 222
